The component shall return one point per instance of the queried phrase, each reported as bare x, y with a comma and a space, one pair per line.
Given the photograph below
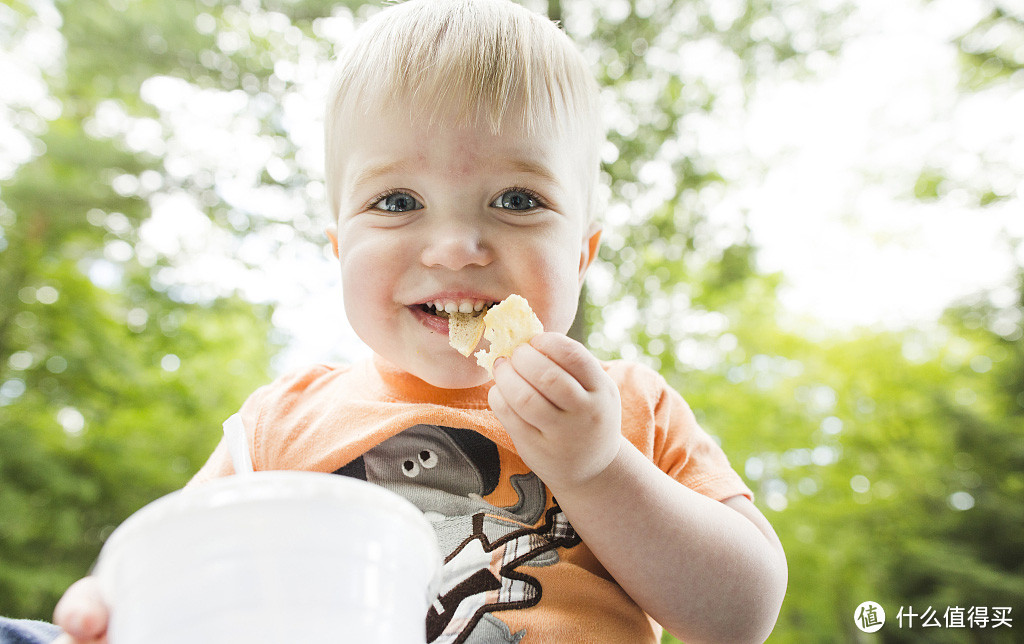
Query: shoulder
636, 378
308, 377
296, 386
647, 395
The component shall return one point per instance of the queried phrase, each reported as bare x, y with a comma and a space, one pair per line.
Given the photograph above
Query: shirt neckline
402, 386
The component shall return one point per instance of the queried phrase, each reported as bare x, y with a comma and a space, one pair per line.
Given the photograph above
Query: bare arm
706, 571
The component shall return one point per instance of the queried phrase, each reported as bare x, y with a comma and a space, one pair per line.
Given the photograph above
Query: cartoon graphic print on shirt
446, 472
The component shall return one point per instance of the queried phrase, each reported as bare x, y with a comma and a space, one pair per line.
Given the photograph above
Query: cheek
554, 280
365, 276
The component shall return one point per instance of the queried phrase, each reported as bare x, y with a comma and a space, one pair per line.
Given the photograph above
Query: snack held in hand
505, 325
508, 324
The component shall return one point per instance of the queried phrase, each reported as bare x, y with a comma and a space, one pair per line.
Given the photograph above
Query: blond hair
477, 59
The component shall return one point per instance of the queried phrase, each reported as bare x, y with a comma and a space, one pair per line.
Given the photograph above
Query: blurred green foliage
890, 463
112, 386
990, 50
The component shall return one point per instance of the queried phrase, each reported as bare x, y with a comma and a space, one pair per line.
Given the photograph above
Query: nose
456, 246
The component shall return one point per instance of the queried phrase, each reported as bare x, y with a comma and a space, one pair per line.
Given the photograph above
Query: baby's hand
560, 408
82, 614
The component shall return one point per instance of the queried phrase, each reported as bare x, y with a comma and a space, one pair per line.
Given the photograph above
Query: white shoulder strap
238, 444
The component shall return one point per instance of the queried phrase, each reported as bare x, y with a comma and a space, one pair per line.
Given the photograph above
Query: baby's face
454, 214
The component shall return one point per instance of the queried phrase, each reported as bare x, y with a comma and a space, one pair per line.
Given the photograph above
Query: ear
588, 249
332, 234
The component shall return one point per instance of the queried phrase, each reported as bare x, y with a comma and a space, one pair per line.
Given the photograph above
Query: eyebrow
523, 166
376, 171
526, 166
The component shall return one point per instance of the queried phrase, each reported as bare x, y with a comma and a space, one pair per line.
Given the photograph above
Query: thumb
82, 613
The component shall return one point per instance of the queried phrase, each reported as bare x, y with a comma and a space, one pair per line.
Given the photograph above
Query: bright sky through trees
825, 166
835, 210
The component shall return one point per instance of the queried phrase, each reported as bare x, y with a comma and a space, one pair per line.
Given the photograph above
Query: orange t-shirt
514, 567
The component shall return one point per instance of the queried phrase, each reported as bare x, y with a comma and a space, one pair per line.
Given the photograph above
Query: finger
81, 612
67, 639
553, 382
573, 357
523, 398
510, 420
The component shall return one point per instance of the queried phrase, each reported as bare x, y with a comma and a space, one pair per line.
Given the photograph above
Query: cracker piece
465, 331
508, 324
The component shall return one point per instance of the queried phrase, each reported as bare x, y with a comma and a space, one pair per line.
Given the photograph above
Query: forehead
395, 140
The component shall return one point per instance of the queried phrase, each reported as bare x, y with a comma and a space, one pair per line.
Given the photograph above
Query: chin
447, 370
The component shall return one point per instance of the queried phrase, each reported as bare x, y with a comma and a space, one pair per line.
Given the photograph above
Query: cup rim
263, 486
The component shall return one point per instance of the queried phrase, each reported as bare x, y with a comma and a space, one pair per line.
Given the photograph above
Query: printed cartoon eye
411, 468
396, 201
519, 199
428, 459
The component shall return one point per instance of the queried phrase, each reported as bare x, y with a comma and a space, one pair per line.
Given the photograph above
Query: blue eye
397, 202
516, 199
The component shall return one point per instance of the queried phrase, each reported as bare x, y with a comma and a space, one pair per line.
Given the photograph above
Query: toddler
574, 500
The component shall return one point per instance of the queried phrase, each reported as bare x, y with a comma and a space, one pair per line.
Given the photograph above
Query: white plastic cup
271, 558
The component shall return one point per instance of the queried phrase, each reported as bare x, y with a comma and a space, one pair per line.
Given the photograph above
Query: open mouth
445, 310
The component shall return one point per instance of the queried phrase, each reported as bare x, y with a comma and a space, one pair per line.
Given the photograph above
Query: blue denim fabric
26, 631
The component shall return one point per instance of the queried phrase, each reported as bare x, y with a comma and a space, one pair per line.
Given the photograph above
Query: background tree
113, 380
169, 168
870, 451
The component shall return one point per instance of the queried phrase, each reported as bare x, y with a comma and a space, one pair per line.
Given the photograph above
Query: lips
435, 323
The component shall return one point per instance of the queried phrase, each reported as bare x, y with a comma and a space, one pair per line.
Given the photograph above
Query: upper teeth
462, 306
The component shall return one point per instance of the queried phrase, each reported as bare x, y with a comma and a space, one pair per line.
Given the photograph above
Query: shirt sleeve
218, 465
285, 397
687, 453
